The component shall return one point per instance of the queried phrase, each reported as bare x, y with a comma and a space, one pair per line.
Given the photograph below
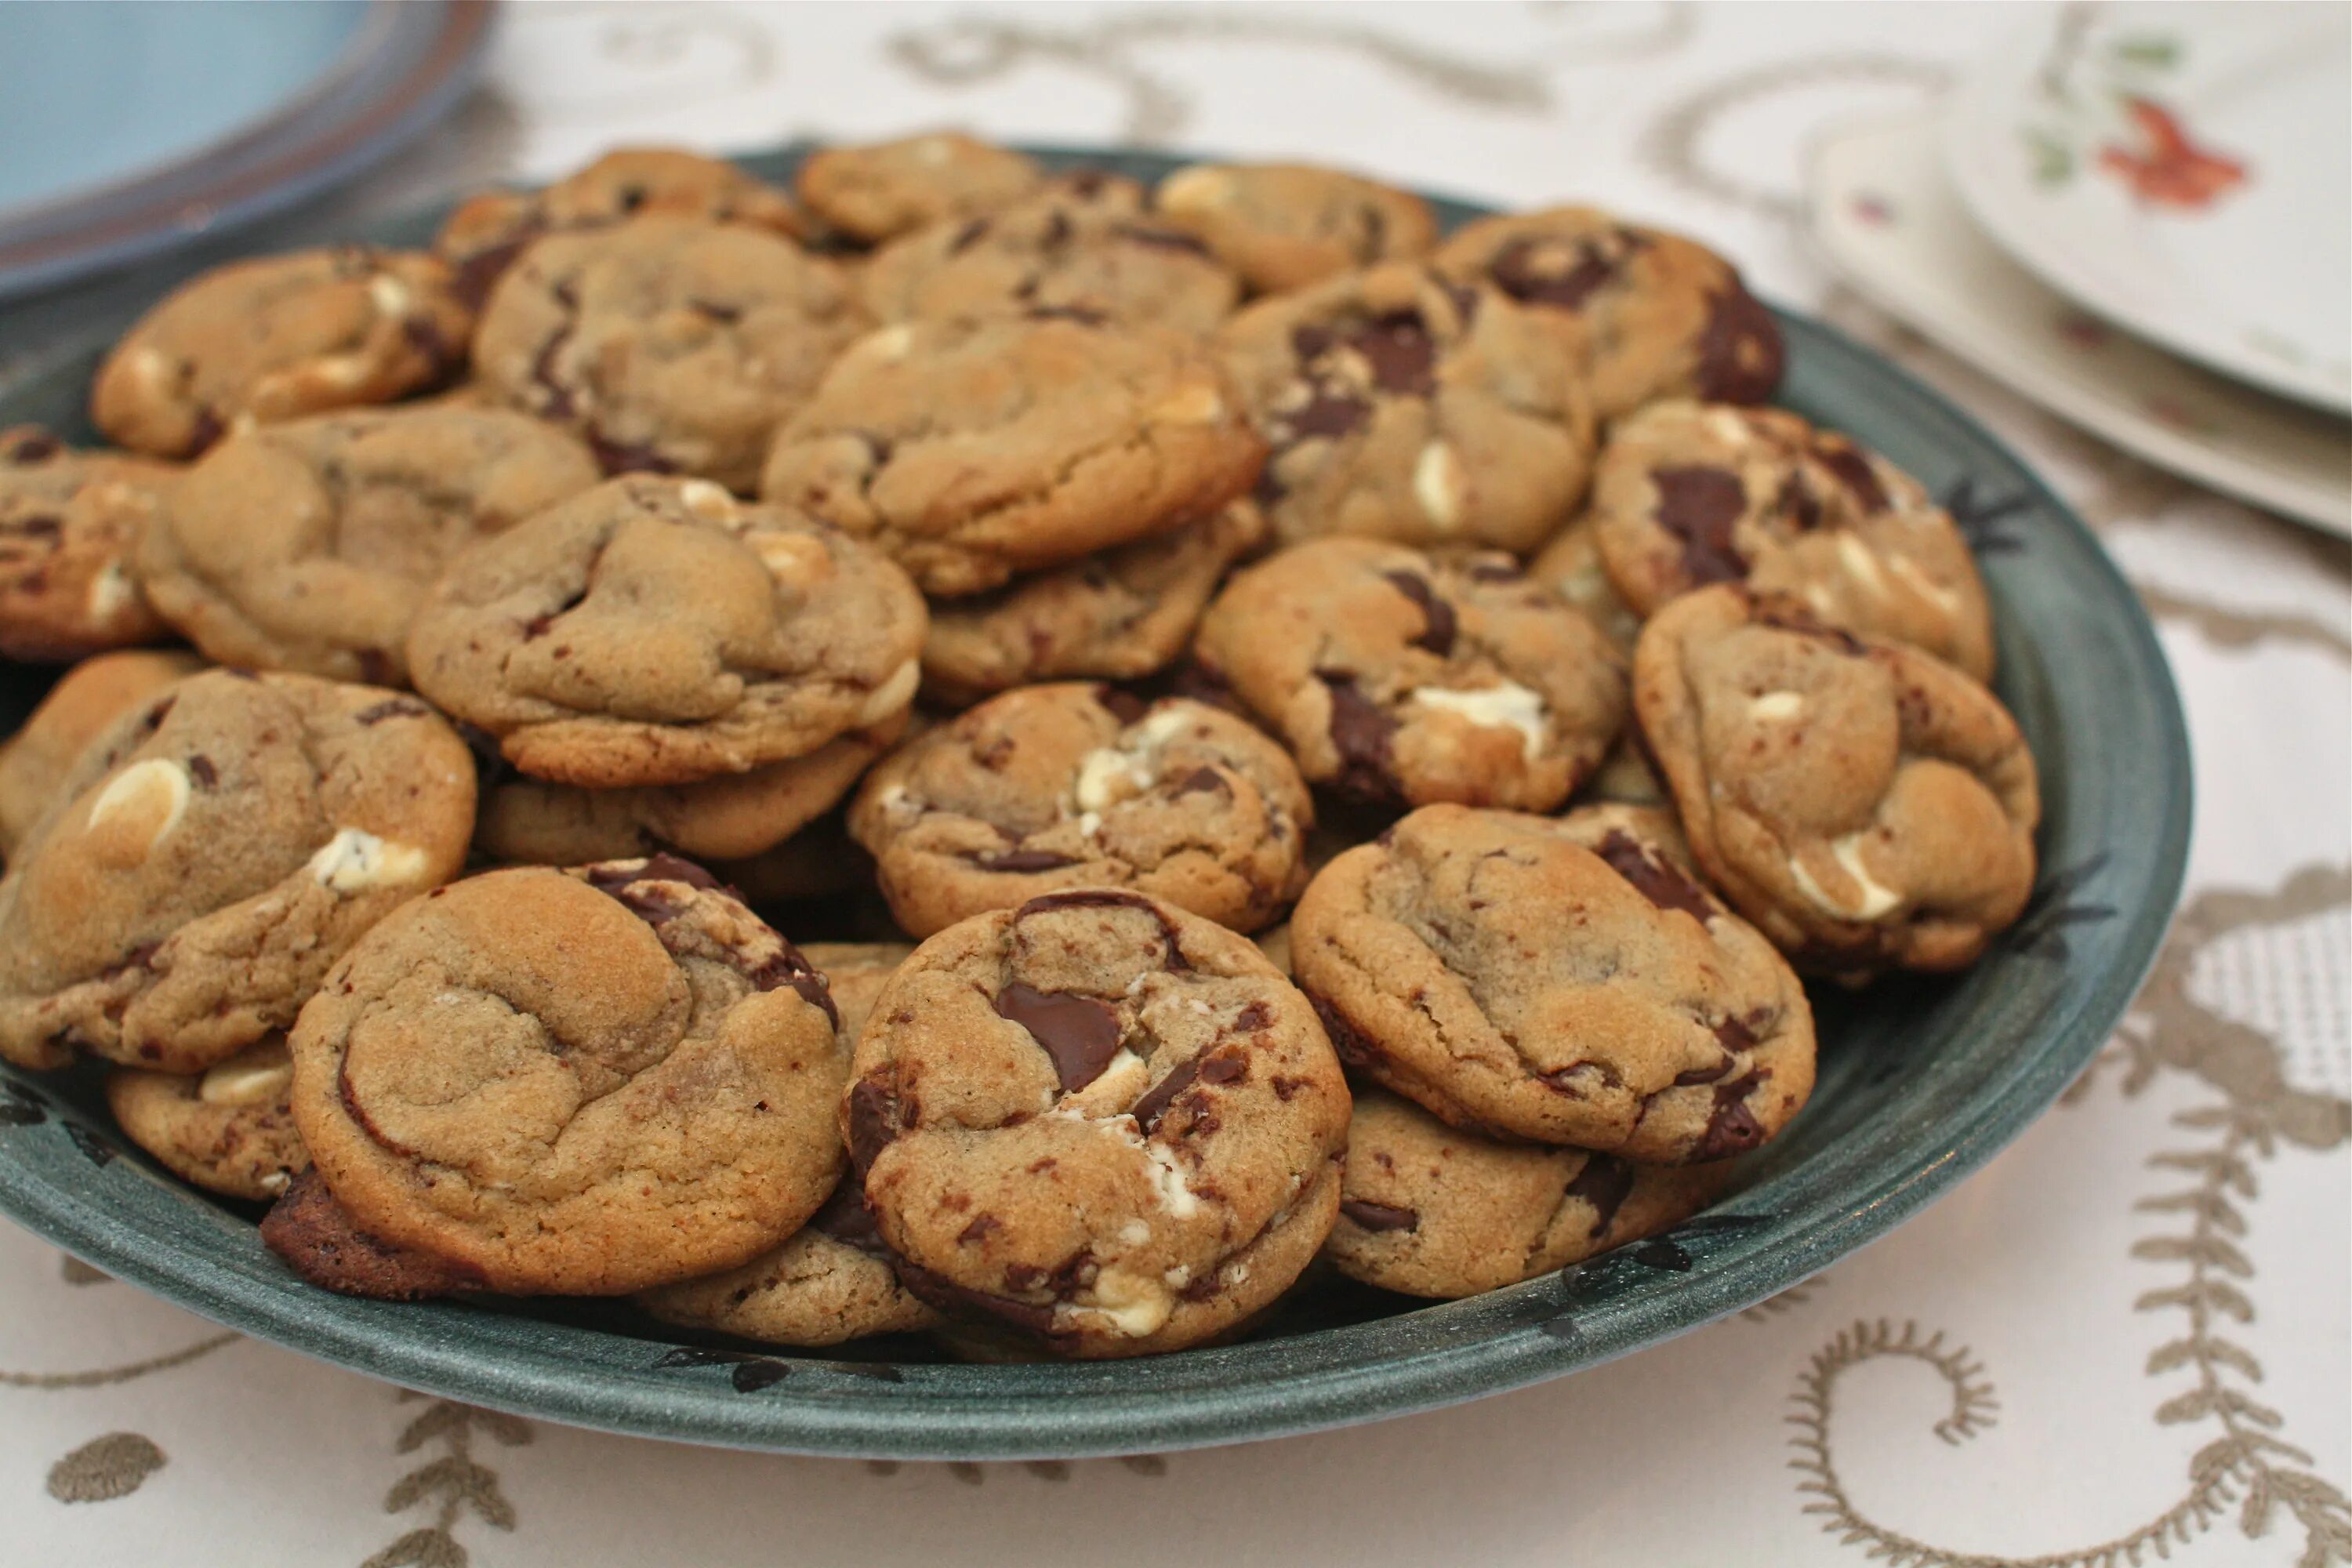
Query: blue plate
132, 128
1920, 1083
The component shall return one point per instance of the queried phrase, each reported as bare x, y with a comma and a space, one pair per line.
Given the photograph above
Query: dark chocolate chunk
1160, 1096
1603, 1183
202, 431
873, 1117
42, 525
1079, 313
1438, 625
1399, 350
394, 708
1731, 1127
556, 401
845, 1217
1854, 471
1519, 270
968, 235
1124, 706
33, 446
1653, 875
1081, 1034
1740, 354
1328, 414
789, 967
723, 314
1370, 1215
1362, 732
617, 457
1201, 780
961, 1300
1021, 860
1699, 506
200, 769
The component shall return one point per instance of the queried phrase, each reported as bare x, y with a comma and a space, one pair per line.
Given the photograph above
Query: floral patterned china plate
2181, 170
1920, 1083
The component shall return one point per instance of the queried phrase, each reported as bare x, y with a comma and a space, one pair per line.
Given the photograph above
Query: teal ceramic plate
1920, 1083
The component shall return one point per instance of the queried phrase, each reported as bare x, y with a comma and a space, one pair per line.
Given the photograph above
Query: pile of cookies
1076, 579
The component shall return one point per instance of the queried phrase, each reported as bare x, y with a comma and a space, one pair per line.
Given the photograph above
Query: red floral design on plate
2167, 169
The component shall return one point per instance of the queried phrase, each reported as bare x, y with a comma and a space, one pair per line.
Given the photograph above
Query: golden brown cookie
83, 704
1563, 982
1400, 676
583, 1083
1287, 226
69, 528
228, 1130
1399, 406
876, 191
971, 451
308, 545
656, 631
1866, 803
211, 855
275, 337
1078, 786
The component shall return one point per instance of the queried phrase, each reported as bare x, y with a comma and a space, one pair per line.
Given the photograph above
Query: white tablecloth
2094, 1351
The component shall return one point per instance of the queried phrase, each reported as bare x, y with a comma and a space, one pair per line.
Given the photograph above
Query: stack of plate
2139, 216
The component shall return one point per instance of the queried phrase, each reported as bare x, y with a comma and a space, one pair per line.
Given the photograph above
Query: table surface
2130, 1333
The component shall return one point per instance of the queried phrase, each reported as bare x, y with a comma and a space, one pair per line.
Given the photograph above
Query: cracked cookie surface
1867, 804
580, 1083
1518, 983
70, 523
1287, 226
669, 344
876, 191
87, 700
1400, 676
211, 855
1119, 616
1430, 1210
1655, 314
972, 450
1399, 406
278, 337
306, 546
1077, 785
228, 1130
656, 631
1096, 1121
1687, 494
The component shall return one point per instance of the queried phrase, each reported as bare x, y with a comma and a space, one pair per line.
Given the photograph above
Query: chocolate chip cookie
1119, 616
1097, 1120
1078, 786
971, 451
325, 1244
733, 817
306, 546
484, 236
69, 528
1657, 315
1521, 985
832, 1280
215, 852
1287, 226
669, 344
278, 337
877, 191
1400, 676
656, 631
1430, 1210
1399, 406
1082, 243
228, 1130
1688, 494
1867, 804
583, 1083
83, 704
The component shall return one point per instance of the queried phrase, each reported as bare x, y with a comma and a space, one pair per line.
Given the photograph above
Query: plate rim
818, 1414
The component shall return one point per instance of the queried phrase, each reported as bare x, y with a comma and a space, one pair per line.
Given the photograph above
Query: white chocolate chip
1731, 426
1510, 706
1133, 1305
1876, 899
389, 294
1106, 777
1162, 727
890, 696
111, 592
1135, 1233
706, 500
1194, 402
355, 860
1113, 1090
887, 346
1197, 189
932, 152
1775, 706
899, 805
155, 792
1090, 823
1437, 486
335, 370
274, 1182
1928, 588
1861, 562
797, 560
1168, 1176
239, 1082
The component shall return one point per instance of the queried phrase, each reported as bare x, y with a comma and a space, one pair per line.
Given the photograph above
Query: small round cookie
733, 817
1404, 678
1657, 315
832, 1280
83, 704
229, 1130
306, 546
1570, 567
1083, 244
484, 236
1120, 615
1078, 786
1520, 985
574, 1083
1867, 804
1402, 406
877, 191
669, 344
1287, 226
1430, 1210
278, 337
1097, 1120
323, 1243
211, 855
69, 528
971, 451
656, 631
1688, 494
